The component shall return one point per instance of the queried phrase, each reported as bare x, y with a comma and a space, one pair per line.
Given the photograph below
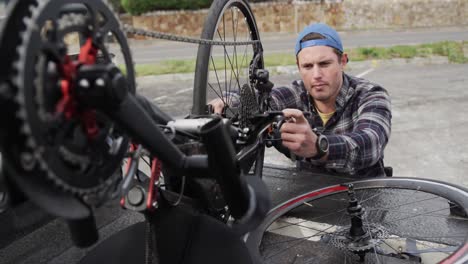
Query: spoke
428, 237
430, 247
368, 198
306, 220
317, 217
320, 232
382, 192
217, 78
396, 251
424, 240
214, 90
422, 214
230, 63
244, 57
234, 33
412, 216
301, 241
339, 222
226, 102
299, 225
446, 251
225, 62
373, 245
418, 201
220, 96
230, 72
291, 239
235, 48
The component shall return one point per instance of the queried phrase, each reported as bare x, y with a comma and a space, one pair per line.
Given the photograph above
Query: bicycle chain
160, 35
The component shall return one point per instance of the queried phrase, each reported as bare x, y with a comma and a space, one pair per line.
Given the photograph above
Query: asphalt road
158, 50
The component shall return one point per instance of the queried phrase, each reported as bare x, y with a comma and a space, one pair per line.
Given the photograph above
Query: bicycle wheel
226, 71
405, 221
222, 70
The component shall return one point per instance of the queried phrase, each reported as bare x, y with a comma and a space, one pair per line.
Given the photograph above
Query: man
350, 118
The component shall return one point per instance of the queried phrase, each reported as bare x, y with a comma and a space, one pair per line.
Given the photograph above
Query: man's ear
344, 59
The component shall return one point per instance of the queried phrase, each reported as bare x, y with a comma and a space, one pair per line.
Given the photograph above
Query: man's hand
218, 105
297, 135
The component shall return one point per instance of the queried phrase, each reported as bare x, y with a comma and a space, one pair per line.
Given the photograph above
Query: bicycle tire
218, 12
275, 240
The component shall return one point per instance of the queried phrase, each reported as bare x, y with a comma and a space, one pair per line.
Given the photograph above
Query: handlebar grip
222, 162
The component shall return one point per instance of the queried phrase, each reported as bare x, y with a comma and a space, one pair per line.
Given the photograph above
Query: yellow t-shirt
325, 117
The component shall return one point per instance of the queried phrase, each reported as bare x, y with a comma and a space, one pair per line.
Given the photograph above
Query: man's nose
316, 72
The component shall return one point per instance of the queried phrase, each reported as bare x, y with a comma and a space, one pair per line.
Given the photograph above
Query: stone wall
292, 16
185, 23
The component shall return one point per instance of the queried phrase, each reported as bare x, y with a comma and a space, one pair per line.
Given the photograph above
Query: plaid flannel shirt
357, 132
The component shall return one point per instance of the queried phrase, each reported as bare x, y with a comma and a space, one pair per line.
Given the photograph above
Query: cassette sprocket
375, 236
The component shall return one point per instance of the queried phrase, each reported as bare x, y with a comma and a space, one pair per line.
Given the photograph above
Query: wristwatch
322, 147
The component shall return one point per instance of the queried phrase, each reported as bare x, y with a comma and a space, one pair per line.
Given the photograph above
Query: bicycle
67, 116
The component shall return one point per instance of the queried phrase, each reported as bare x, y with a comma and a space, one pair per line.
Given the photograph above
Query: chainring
57, 128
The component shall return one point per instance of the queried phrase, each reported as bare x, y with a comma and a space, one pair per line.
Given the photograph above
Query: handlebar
222, 162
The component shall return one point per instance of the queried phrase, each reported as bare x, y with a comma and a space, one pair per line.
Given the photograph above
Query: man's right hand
297, 135
218, 105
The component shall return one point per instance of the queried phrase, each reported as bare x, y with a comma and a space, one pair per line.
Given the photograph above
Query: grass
451, 49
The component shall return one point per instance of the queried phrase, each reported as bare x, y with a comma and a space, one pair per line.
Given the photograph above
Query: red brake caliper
151, 201
67, 105
152, 193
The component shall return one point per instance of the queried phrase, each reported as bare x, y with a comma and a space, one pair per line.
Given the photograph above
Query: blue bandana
331, 37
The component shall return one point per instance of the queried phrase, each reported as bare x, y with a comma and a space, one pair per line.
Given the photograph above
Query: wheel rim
407, 225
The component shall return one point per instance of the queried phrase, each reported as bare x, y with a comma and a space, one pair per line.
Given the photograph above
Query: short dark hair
313, 35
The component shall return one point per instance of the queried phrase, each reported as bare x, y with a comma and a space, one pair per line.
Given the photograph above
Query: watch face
323, 144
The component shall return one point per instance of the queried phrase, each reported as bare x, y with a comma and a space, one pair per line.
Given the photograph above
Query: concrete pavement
429, 124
